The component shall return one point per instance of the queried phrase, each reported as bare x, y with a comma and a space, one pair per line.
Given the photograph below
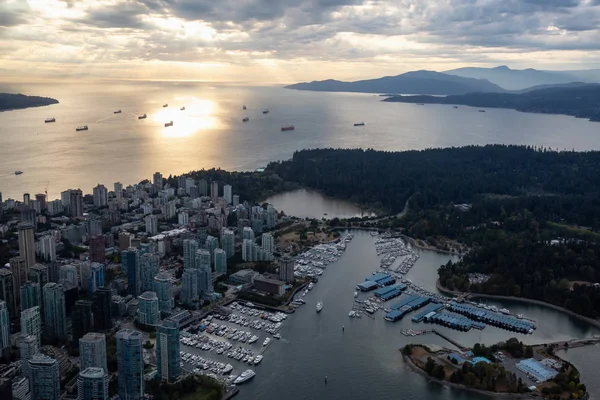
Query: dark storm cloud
13, 13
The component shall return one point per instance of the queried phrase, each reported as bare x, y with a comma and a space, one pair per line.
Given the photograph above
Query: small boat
520, 316
165, 105
258, 359
117, 112
253, 339
277, 336
319, 306
182, 108
504, 311
355, 294
455, 106
267, 341
49, 120
360, 124
420, 104
246, 119
228, 368
167, 124
82, 128
245, 376
18, 172
287, 128
144, 116
266, 111
352, 314
481, 110
244, 107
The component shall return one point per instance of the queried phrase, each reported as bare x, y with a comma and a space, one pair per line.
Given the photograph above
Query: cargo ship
165, 105
167, 124
287, 128
49, 120
360, 124
117, 112
82, 128
266, 111
182, 108
246, 119
142, 116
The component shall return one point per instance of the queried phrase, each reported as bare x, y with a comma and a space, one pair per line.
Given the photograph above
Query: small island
11, 101
580, 101
508, 369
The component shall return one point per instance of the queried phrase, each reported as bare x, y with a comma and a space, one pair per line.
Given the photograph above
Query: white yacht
245, 376
258, 359
504, 311
277, 336
319, 306
267, 341
253, 339
228, 368
355, 294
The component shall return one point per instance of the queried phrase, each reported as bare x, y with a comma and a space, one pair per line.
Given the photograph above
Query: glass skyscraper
130, 260
130, 364
55, 315
31, 323
150, 265
45, 378
4, 330
190, 248
167, 351
92, 384
164, 290
30, 295
148, 312
92, 351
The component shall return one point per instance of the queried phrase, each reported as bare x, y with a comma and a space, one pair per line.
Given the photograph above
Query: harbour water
304, 203
364, 360
210, 132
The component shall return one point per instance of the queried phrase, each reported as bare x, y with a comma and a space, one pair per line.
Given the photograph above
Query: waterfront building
236, 200
130, 260
168, 366
31, 323
220, 261
82, 320
30, 295
45, 378
26, 245
96, 279
157, 180
20, 274
267, 285
97, 249
55, 318
286, 269
28, 347
228, 242
130, 364
7, 291
189, 286
118, 186
227, 194
92, 384
69, 274
268, 243
4, 331
190, 248
100, 195
148, 312
92, 351
536, 369
214, 190
164, 291
102, 310
247, 233
151, 224
150, 266
76, 203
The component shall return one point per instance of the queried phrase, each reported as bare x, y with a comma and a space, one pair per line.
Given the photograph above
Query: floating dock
453, 320
408, 304
389, 292
507, 322
433, 308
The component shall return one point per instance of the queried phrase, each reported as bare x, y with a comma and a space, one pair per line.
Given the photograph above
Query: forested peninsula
580, 101
530, 215
10, 101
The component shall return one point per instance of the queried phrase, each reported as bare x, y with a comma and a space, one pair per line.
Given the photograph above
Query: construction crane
46, 191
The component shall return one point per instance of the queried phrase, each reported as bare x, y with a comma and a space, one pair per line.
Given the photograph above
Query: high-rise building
4, 331
65, 198
20, 274
69, 273
150, 266
131, 265
211, 243
26, 198
102, 310
157, 180
97, 249
39, 273
100, 194
203, 266
228, 244
31, 323
92, 351
164, 291
26, 245
220, 261
30, 295
28, 347
6, 390
183, 218
189, 286
214, 190
203, 186
125, 240
148, 312
7, 291
47, 248
203, 259
29, 216
227, 194
130, 364
76, 203
286, 270
55, 315
94, 225
151, 224
190, 248
247, 233
82, 320
268, 242
167, 351
96, 279
92, 384
118, 186
236, 200
41, 198
45, 377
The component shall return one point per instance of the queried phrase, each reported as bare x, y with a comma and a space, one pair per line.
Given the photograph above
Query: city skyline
291, 40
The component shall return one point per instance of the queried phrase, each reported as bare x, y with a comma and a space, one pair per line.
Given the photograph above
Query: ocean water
210, 132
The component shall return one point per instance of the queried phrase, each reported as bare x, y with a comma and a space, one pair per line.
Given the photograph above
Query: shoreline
415, 368
582, 318
413, 242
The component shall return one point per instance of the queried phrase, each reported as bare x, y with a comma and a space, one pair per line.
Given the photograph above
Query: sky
280, 41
